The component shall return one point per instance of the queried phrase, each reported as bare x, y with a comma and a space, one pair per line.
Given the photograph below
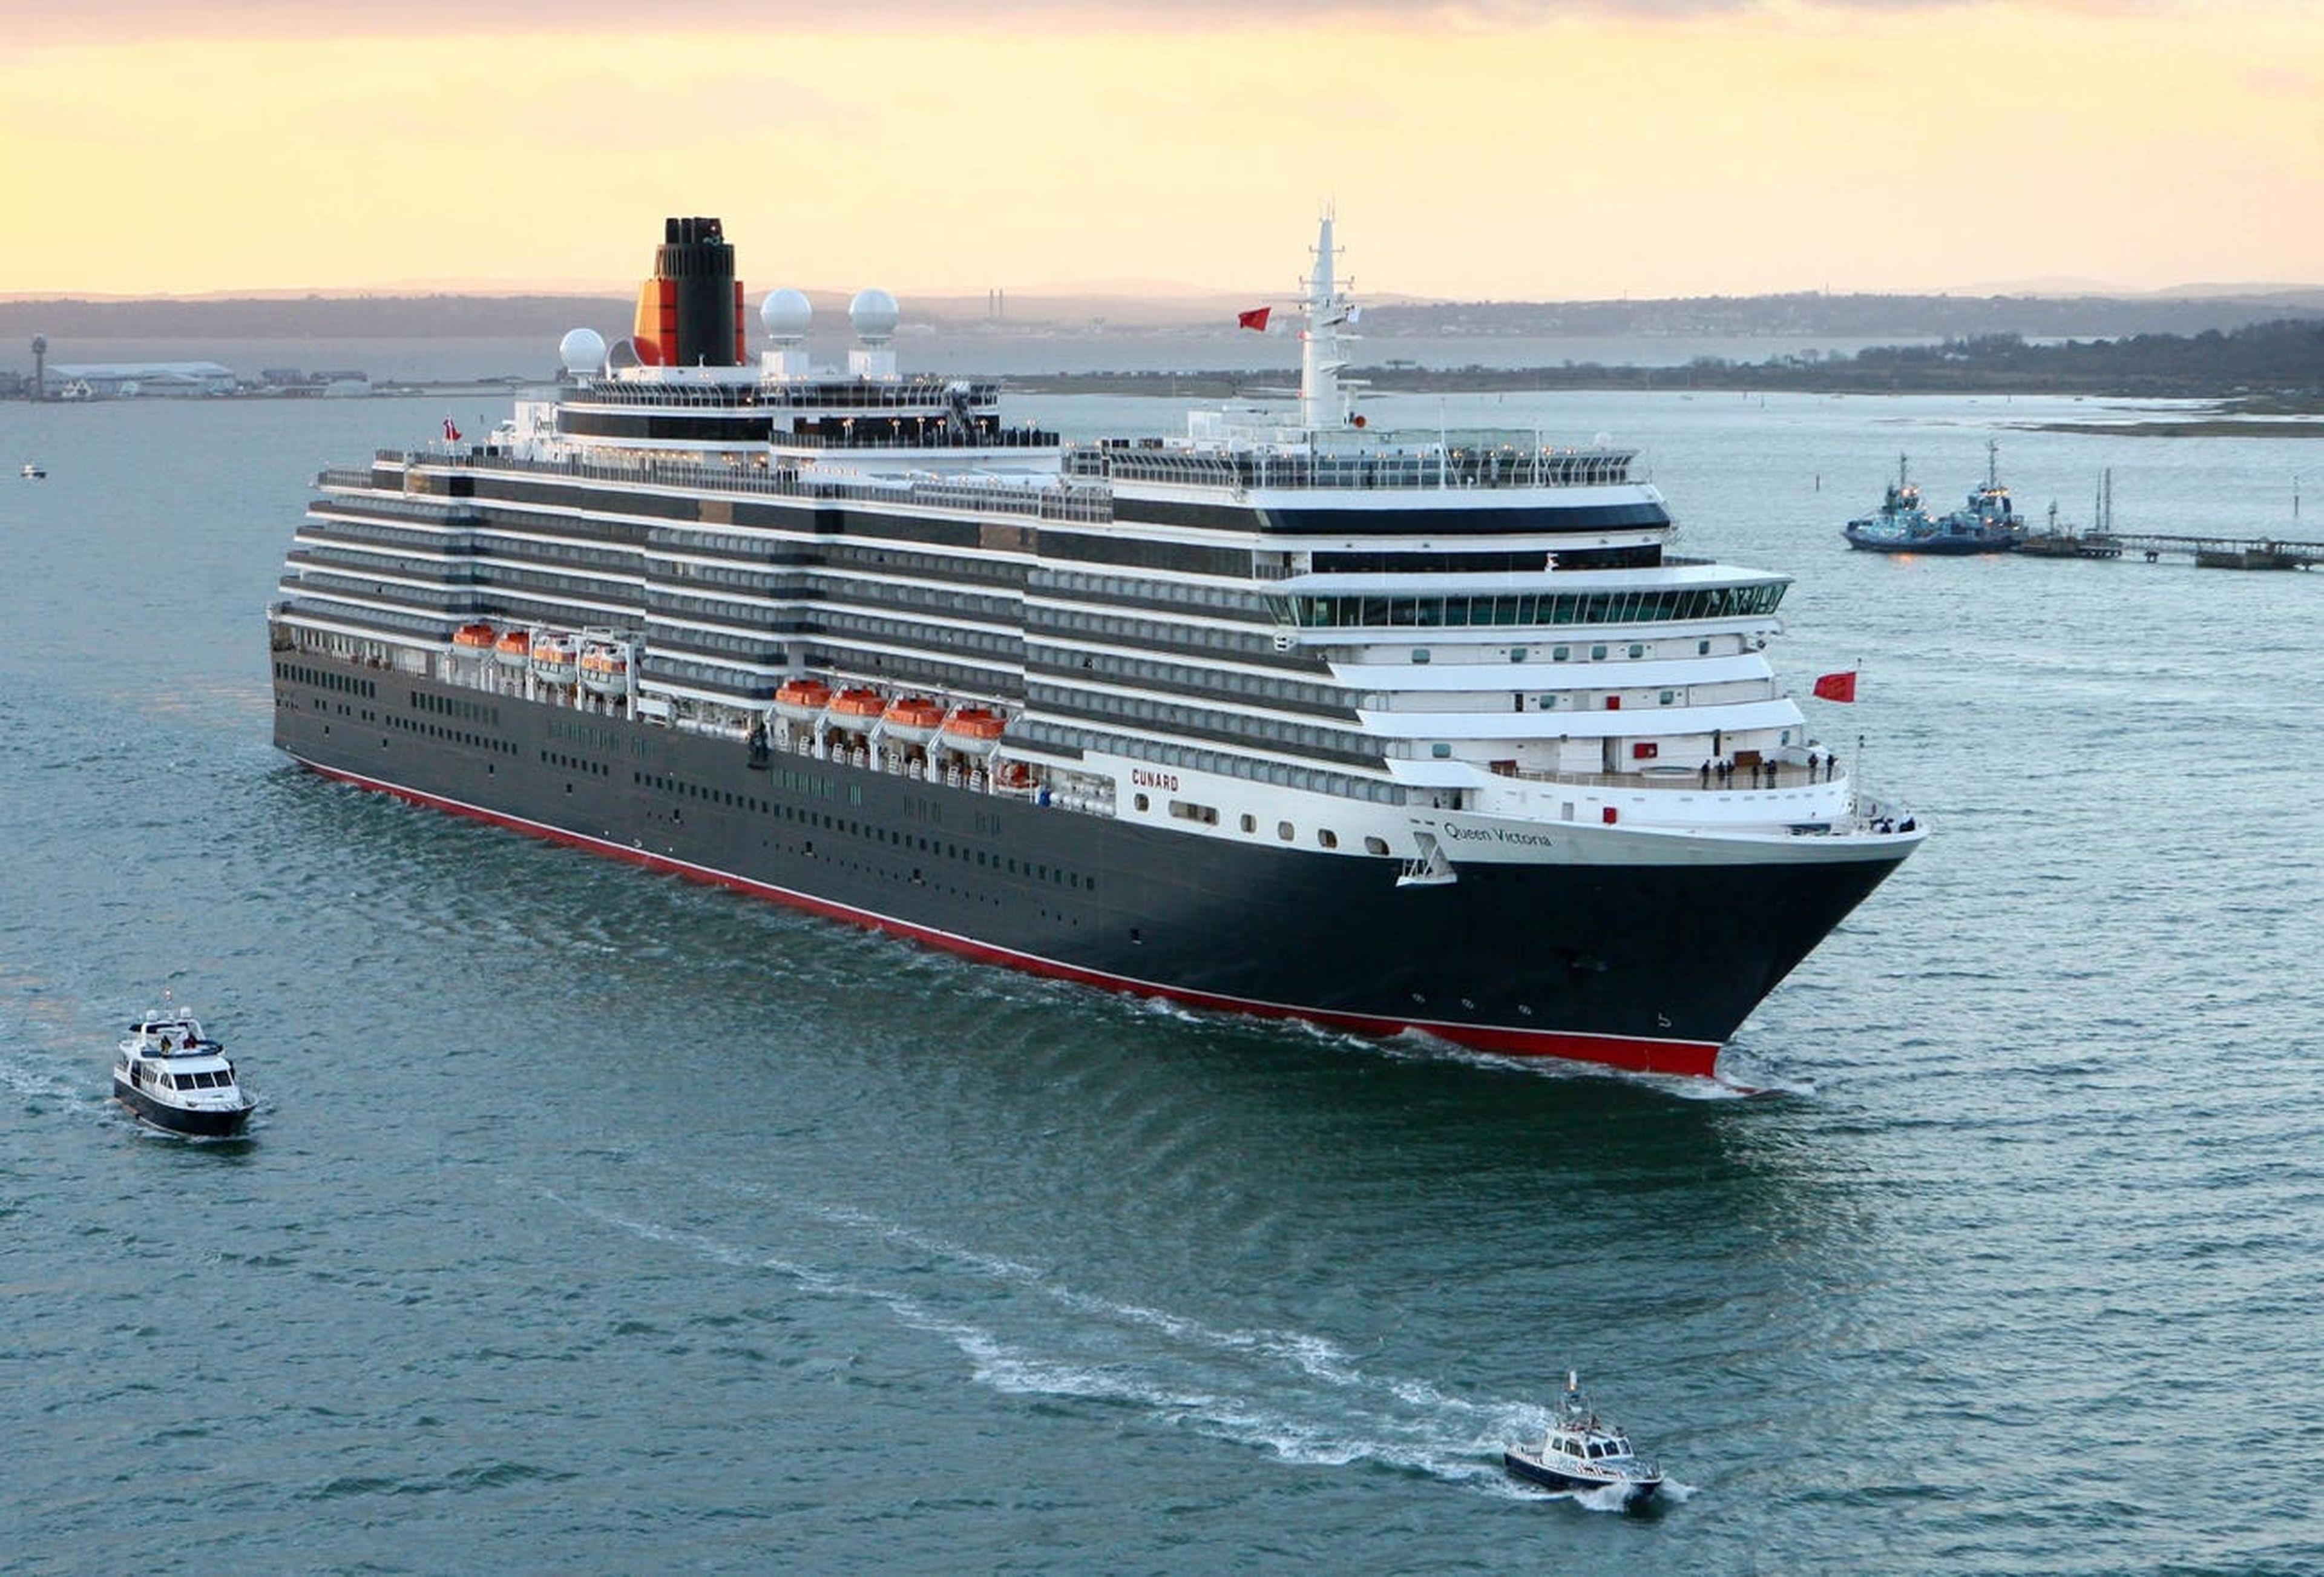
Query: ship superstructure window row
497, 546
1531, 608
766, 647
1149, 552
774, 614
917, 638
1061, 631
369, 590
425, 528
1207, 681
386, 564
1071, 738
1232, 595
770, 586
368, 614
1098, 704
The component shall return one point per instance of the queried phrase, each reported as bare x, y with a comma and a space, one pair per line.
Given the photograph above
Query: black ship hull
1649, 967
204, 1122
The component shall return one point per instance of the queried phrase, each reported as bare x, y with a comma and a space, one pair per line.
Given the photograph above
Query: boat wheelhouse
1295, 713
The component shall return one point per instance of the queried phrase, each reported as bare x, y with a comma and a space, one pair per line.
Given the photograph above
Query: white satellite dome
874, 315
582, 350
785, 315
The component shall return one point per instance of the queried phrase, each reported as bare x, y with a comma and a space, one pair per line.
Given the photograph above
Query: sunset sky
1506, 149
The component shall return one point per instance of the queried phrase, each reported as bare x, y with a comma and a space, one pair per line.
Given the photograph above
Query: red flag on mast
1254, 318
1837, 687
451, 433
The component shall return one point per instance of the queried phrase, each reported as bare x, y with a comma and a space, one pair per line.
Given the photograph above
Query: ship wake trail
1300, 1396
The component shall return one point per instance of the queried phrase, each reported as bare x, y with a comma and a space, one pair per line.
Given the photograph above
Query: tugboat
1987, 521
173, 1076
33, 471
1900, 525
1584, 1451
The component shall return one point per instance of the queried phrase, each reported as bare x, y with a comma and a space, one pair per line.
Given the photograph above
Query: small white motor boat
1582, 1452
173, 1076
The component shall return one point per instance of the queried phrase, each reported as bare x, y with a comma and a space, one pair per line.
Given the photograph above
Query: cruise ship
1292, 715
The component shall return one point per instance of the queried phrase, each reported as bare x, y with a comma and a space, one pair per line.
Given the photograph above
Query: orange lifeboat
606, 667
860, 708
474, 639
800, 699
514, 648
912, 719
555, 655
972, 727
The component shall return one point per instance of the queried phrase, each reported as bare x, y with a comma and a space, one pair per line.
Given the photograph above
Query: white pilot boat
1583, 1451
173, 1076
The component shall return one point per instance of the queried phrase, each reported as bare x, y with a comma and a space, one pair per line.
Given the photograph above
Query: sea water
595, 1222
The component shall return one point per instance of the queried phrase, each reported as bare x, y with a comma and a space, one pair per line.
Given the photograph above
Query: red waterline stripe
1692, 1058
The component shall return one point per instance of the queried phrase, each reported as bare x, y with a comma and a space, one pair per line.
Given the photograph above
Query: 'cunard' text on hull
1291, 715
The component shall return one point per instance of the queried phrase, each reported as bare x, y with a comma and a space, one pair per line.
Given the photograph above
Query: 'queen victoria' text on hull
1290, 715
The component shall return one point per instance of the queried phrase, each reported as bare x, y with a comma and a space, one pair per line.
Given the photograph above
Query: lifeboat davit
606, 667
913, 719
555, 656
858, 708
972, 727
514, 648
801, 699
474, 640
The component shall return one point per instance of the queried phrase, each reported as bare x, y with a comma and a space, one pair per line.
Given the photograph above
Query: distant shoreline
2238, 415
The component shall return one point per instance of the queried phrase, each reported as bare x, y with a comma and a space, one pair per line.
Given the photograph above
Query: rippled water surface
595, 1222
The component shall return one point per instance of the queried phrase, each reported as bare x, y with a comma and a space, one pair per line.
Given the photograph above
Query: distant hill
1809, 315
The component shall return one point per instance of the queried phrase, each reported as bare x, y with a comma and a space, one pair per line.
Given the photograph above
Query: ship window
1637, 651
1249, 823
1140, 803
1373, 846
1547, 703
1327, 838
1596, 654
1517, 654
1702, 649
1420, 654
1560, 653
1440, 752
1282, 830
1669, 697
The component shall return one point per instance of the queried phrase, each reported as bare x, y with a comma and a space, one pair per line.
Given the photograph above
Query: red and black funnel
690, 313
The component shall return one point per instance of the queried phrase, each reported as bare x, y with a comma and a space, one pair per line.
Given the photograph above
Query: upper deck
1389, 462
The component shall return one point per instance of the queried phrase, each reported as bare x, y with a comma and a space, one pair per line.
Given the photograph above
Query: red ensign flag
1254, 318
451, 433
1836, 686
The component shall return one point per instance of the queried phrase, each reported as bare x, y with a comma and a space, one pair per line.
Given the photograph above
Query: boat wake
1299, 1396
